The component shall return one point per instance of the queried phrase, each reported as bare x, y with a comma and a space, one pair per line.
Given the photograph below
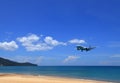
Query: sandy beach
17, 78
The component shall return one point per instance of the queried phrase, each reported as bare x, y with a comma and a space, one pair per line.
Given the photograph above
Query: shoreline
24, 78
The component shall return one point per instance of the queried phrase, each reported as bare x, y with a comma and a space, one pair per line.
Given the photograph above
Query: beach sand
18, 78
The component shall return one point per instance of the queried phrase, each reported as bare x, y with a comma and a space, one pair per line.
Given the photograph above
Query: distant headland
7, 62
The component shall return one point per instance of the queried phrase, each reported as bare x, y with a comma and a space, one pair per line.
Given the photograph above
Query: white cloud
38, 47
28, 39
69, 58
50, 41
10, 46
77, 41
32, 42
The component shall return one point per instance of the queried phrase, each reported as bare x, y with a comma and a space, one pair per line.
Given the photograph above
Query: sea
102, 73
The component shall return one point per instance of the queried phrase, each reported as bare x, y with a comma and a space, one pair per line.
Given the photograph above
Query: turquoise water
107, 73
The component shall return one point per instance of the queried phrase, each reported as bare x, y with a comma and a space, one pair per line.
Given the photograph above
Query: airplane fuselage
84, 48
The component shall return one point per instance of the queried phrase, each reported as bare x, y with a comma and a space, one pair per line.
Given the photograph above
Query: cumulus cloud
38, 47
77, 41
28, 39
33, 42
69, 58
49, 40
10, 46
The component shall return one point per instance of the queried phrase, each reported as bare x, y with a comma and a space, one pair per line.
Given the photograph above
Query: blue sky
46, 32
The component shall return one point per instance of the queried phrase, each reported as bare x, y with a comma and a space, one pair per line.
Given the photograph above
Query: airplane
85, 48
